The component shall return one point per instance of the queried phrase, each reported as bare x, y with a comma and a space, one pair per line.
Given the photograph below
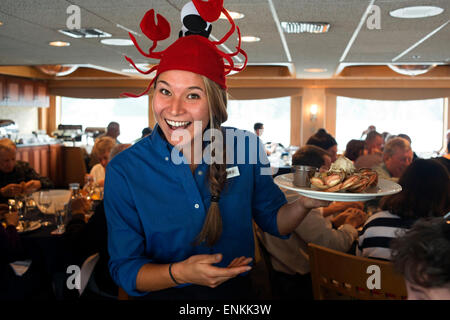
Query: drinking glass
45, 200
59, 218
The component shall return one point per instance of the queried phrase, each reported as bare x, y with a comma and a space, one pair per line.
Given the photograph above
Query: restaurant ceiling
354, 37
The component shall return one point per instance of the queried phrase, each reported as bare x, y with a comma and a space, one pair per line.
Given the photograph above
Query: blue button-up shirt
155, 207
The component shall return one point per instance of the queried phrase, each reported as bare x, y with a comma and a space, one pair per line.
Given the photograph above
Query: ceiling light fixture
85, 33
117, 42
315, 70
250, 39
416, 12
305, 27
233, 14
59, 44
1, 23
57, 70
411, 69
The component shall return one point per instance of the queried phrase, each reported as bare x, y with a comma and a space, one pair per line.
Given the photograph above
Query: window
275, 114
130, 113
421, 120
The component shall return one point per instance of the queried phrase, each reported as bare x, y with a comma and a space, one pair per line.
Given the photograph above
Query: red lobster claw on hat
155, 32
209, 10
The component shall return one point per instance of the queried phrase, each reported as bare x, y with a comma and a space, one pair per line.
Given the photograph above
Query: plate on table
58, 196
384, 188
33, 225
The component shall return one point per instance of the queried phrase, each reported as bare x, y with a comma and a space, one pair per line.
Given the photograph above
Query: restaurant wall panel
46, 160
21, 92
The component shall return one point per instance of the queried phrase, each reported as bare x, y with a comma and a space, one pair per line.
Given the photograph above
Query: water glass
59, 220
45, 201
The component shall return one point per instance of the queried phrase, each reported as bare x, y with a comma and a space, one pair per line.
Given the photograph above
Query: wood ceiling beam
273, 83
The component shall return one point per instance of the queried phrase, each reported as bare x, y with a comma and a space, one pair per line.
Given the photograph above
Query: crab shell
338, 181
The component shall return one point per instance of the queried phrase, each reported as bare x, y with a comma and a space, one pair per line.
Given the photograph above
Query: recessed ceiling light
59, 44
416, 12
315, 70
250, 39
303, 27
1, 23
233, 14
117, 42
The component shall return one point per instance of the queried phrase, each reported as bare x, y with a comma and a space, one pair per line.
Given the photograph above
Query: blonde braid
212, 227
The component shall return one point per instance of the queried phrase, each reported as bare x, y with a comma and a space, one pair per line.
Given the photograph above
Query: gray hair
395, 144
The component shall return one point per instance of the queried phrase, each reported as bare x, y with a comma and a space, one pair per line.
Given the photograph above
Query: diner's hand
12, 219
199, 269
11, 190
31, 186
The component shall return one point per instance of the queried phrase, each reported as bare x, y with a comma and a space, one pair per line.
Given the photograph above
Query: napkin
20, 267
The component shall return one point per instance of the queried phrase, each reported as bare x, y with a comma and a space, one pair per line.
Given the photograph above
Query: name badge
232, 172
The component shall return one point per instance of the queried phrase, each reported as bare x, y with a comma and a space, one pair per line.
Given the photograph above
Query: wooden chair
122, 295
337, 275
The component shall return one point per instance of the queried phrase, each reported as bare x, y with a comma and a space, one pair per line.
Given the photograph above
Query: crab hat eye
193, 23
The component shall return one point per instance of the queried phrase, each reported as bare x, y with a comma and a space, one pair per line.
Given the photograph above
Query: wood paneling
46, 160
22, 92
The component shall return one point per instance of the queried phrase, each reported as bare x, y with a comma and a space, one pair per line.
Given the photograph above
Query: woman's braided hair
212, 227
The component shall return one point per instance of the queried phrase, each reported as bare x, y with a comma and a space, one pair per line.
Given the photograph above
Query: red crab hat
193, 51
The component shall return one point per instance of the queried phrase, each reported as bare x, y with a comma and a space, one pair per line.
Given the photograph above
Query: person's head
374, 142
258, 128
102, 148
404, 136
313, 156
325, 141
7, 155
422, 256
425, 191
354, 149
146, 131
187, 101
117, 149
397, 156
113, 130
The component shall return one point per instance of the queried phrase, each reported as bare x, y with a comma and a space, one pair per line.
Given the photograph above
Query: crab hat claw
158, 31
209, 10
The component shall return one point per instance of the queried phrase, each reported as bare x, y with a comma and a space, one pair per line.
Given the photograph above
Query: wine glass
45, 200
59, 217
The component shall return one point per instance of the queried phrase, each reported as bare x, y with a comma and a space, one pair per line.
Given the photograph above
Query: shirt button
200, 173
196, 206
166, 158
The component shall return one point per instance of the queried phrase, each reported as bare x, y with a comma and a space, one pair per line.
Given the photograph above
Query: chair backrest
86, 271
337, 275
122, 295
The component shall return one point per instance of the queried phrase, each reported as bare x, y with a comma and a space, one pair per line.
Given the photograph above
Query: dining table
46, 249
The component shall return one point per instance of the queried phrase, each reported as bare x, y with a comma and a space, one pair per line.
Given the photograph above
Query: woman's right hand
199, 270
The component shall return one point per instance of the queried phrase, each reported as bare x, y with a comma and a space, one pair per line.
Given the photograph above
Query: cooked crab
343, 176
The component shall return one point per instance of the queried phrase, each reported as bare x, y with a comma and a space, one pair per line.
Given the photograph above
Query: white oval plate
384, 188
